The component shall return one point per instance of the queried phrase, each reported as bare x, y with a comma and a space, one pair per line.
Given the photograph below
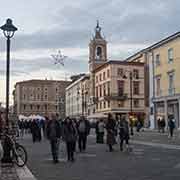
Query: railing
116, 96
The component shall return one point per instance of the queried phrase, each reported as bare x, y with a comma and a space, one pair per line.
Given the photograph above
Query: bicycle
18, 152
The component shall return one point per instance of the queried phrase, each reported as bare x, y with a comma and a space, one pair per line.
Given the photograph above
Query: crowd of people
75, 132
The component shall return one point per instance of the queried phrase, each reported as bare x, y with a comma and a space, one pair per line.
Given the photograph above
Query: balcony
116, 96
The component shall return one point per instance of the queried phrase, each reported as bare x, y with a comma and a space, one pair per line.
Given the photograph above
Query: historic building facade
40, 97
77, 97
161, 78
119, 88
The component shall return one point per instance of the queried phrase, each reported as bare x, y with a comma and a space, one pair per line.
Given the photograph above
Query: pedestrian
34, 130
83, 127
162, 124
110, 127
159, 124
171, 124
100, 131
53, 134
123, 132
70, 137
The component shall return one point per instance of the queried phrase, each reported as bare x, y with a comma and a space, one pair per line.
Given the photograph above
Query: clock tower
97, 57
97, 50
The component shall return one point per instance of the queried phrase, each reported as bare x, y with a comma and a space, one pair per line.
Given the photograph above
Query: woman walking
110, 127
70, 137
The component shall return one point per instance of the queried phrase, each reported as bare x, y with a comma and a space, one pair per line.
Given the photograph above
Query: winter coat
110, 127
69, 132
123, 130
57, 130
87, 127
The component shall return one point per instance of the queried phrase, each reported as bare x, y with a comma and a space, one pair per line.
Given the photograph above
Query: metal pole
131, 105
7, 82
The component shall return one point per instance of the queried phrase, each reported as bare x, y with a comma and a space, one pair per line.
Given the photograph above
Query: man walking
83, 131
54, 134
171, 124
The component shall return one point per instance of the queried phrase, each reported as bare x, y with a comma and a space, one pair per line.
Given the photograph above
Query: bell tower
97, 50
97, 57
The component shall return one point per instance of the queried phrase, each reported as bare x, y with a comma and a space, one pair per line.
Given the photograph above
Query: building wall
40, 97
165, 67
121, 105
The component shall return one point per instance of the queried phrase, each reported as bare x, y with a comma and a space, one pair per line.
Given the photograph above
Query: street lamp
131, 98
8, 31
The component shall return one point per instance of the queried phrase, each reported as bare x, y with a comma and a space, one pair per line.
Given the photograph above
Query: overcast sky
45, 26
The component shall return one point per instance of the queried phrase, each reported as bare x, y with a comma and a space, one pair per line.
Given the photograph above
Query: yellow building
165, 57
119, 88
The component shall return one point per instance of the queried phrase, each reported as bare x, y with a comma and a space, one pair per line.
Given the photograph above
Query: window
108, 73
100, 77
120, 72
158, 86
24, 107
24, 96
104, 75
45, 106
136, 103
120, 85
98, 52
171, 83
136, 88
136, 73
38, 96
100, 90
100, 105
157, 60
31, 107
108, 88
38, 107
170, 55
104, 104
104, 89
45, 97
108, 104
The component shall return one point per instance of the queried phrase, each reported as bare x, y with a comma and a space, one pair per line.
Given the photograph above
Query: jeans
54, 149
121, 143
82, 141
70, 150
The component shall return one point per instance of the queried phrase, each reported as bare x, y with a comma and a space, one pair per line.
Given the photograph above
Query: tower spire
98, 31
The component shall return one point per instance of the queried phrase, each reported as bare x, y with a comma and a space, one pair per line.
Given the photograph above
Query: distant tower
97, 50
97, 57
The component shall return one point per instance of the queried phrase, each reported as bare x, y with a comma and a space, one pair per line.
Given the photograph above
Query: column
166, 112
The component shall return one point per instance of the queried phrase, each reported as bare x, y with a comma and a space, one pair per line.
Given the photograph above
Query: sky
46, 26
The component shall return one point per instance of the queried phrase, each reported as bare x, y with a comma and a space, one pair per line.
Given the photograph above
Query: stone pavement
8, 173
12, 172
145, 162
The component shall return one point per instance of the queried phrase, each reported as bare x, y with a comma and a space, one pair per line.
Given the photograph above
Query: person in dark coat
34, 131
162, 124
171, 124
110, 127
83, 127
123, 132
54, 134
100, 131
70, 137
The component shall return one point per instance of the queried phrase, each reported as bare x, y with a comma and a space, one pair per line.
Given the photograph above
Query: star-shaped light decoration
59, 58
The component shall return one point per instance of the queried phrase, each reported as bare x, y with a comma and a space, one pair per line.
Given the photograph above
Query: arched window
98, 52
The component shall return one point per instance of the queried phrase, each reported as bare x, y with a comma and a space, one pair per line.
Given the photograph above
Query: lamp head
8, 29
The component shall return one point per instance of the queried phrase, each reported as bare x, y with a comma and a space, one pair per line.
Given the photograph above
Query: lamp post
131, 98
8, 31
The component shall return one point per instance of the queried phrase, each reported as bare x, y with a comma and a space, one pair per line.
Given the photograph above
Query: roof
41, 81
126, 63
155, 45
77, 81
